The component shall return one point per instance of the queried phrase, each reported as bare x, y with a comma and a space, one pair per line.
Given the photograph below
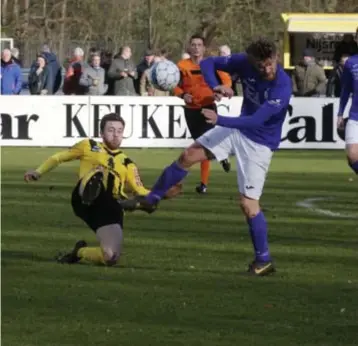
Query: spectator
93, 51
71, 85
146, 86
224, 50
161, 55
347, 46
11, 78
40, 78
308, 78
185, 56
334, 82
93, 77
15, 53
106, 61
123, 72
143, 66
54, 67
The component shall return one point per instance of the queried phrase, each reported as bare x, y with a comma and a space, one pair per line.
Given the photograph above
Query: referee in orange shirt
198, 95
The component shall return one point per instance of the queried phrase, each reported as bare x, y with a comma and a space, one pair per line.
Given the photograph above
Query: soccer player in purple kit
349, 82
252, 137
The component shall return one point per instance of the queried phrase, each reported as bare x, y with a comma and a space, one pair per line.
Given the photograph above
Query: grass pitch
180, 280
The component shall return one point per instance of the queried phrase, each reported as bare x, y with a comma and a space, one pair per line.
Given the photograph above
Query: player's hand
340, 122
188, 98
210, 115
31, 176
123, 74
223, 91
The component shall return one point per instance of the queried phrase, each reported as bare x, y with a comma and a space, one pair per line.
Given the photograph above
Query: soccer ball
164, 75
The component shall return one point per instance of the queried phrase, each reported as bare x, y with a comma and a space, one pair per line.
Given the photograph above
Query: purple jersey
349, 84
265, 102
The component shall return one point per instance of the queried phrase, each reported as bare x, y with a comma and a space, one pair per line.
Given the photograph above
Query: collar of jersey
111, 152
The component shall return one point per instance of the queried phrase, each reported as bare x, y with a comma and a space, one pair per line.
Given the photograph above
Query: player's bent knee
192, 155
250, 207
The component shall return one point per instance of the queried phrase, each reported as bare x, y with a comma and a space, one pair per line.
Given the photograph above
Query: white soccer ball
164, 75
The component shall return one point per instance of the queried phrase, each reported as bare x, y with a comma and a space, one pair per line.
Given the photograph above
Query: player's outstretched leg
110, 239
171, 175
262, 264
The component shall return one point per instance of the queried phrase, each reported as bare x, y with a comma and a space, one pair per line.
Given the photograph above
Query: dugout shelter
317, 31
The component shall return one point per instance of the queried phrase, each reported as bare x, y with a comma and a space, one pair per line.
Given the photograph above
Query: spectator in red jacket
71, 85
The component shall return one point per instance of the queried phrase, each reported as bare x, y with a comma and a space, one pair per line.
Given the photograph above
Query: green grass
180, 280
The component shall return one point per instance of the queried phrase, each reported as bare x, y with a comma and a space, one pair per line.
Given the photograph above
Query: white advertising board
151, 122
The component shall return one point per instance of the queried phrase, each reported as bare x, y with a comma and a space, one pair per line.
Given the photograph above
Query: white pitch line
309, 203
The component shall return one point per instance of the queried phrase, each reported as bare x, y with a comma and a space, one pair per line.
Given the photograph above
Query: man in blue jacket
11, 78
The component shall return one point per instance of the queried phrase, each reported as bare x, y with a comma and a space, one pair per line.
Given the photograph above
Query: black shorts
196, 122
105, 210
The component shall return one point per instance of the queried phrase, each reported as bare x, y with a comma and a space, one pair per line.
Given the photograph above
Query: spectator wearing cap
71, 85
143, 66
40, 78
10, 75
308, 78
53, 66
93, 77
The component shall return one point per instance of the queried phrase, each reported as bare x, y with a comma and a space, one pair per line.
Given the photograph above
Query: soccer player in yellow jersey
103, 174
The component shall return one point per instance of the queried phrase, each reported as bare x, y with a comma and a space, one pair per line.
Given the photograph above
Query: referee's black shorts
196, 122
105, 210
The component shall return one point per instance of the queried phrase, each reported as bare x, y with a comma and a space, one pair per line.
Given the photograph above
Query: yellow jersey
119, 169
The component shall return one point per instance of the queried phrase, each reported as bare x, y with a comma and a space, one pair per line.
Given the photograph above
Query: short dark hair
163, 52
111, 117
261, 49
197, 37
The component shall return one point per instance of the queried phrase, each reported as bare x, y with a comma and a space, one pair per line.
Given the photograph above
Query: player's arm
230, 64
347, 88
53, 161
279, 99
133, 178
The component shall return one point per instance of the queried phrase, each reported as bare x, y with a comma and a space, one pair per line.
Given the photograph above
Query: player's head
197, 46
112, 128
263, 55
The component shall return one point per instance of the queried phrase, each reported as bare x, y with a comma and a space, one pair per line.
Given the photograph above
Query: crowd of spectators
103, 73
